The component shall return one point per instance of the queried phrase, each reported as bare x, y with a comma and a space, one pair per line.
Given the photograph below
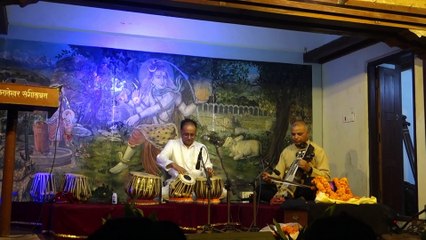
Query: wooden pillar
8, 169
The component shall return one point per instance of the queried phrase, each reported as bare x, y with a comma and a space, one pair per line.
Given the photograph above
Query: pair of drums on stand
144, 187
43, 187
181, 189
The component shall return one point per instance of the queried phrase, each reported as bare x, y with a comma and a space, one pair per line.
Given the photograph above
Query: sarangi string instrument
294, 177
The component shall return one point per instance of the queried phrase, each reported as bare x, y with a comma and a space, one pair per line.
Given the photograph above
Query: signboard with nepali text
28, 95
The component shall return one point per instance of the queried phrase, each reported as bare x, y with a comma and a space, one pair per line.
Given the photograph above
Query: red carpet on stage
78, 220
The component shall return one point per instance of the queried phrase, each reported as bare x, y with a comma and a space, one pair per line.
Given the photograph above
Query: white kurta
177, 152
186, 157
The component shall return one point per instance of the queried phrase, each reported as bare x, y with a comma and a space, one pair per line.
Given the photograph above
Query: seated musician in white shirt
182, 156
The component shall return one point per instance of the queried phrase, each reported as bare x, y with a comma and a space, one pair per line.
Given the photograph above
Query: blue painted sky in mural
23, 49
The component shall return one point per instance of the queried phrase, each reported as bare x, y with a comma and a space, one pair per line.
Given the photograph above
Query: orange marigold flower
290, 229
342, 192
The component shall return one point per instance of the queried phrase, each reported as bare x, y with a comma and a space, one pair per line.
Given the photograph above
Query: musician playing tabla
310, 166
180, 156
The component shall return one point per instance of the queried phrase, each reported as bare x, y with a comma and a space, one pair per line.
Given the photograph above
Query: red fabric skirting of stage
78, 220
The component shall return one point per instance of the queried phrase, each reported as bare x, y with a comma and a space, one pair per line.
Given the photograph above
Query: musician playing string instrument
310, 163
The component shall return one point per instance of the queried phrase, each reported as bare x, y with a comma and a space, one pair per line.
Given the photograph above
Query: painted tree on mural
289, 86
283, 89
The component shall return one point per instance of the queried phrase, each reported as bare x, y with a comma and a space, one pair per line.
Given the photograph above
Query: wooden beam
409, 6
402, 7
337, 48
8, 169
400, 18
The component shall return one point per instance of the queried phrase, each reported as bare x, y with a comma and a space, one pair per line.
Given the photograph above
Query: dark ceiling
359, 26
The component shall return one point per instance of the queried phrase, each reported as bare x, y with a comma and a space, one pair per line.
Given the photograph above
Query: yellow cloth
323, 198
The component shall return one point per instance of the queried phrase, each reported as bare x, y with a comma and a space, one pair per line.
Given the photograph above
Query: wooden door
390, 143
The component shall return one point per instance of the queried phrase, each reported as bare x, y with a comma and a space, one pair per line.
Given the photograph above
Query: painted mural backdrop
118, 108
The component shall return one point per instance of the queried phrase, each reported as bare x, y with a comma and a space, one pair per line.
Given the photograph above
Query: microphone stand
229, 226
254, 227
208, 228
256, 201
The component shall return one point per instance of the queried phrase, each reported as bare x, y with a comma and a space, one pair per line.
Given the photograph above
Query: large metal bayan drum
202, 190
181, 188
43, 187
143, 188
78, 185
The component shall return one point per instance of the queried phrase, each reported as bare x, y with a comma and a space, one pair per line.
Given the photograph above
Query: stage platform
78, 220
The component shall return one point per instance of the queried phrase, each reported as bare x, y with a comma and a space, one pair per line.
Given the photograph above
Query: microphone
200, 158
213, 139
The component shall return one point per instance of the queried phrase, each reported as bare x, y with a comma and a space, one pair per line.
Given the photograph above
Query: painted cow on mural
240, 148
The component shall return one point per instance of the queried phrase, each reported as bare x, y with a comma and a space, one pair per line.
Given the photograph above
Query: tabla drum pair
43, 187
182, 188
143, 188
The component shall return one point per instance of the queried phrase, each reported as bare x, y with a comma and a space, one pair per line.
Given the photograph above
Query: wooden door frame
405, 59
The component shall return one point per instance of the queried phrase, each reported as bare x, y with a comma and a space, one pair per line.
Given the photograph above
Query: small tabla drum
143, 188
78, 185
202, 190
43, 187
181, 188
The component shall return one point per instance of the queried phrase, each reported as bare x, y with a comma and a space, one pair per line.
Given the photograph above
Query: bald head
299, 132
